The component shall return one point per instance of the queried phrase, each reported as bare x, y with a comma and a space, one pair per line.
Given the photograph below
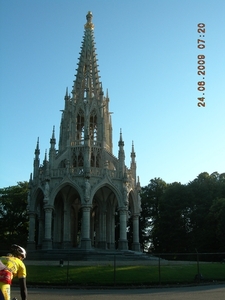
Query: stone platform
95, 255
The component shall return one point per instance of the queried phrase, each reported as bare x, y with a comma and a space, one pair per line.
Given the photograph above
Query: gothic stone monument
80, 190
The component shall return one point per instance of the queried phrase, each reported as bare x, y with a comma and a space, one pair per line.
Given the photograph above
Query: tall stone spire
87, 82
86, 118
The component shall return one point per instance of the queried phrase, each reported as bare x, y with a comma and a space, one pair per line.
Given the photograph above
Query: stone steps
87, 255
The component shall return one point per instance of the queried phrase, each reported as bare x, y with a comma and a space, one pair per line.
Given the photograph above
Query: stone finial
89, 24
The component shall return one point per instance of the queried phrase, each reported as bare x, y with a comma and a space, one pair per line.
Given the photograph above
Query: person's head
18, 251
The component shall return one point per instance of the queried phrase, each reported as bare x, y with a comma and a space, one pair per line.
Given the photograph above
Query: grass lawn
122, 275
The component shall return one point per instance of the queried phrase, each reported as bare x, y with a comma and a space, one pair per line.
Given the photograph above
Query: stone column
102, 240
66, 230
40, 231
123, 243
85, 228
31, 242
110, 235
97, 229
74, 232
136, 244
47, 244
113, 231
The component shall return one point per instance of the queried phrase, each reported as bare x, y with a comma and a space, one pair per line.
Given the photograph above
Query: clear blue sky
147, 53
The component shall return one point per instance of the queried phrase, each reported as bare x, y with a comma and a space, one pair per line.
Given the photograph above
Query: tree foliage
183, 218
149, 219
13, 215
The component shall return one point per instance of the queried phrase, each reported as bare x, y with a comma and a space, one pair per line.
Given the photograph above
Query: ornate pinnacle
89, 24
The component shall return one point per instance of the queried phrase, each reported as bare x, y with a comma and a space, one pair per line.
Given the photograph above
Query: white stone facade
81, 191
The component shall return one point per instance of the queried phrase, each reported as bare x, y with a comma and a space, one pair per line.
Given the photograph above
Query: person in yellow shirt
11, 266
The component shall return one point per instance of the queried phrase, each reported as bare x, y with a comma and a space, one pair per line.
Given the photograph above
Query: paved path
209, 292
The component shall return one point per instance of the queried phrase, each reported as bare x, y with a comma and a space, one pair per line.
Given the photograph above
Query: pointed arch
67, 217
104, 207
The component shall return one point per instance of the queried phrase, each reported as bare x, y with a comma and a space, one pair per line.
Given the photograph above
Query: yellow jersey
14, 265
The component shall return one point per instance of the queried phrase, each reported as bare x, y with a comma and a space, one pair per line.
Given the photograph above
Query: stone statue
46, 192
125, 195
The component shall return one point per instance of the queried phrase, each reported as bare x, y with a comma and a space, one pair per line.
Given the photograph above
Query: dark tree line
182, 218
13, 215
175, 218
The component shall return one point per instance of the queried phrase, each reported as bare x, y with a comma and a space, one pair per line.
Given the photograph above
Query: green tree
174, 221
149, 220
216, 223
205, 189
183, 218
13, 215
